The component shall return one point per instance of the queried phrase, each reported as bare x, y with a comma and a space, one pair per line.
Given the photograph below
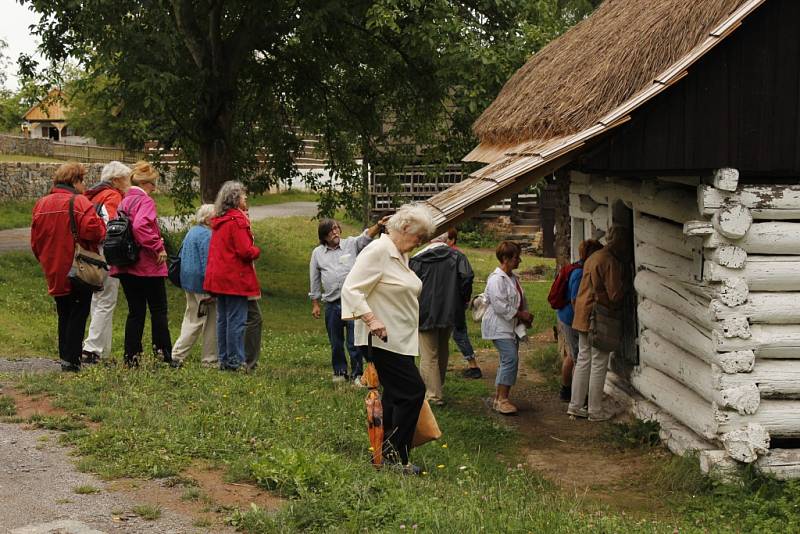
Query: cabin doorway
628, 357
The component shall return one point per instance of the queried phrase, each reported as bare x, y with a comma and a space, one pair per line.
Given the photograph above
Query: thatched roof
597, 65
515, 164
50, 109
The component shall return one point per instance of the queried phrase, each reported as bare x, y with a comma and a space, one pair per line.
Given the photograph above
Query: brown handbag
427, 427
89, 269
607, 331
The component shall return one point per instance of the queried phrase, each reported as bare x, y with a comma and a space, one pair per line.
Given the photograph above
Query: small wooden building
680, 119
48, 120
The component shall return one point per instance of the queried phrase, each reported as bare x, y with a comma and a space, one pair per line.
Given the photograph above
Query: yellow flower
444, 445
440, 466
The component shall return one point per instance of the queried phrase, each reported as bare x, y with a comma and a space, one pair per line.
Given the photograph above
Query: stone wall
24, 146
20, 181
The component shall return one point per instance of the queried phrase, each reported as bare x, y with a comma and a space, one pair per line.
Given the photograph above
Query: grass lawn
288, 429
17, 213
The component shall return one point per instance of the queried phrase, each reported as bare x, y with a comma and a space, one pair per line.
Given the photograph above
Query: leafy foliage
383, 81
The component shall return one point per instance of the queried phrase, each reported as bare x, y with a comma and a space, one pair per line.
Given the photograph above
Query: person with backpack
115, 180
142, 274
601, 292
562, 298
53, 245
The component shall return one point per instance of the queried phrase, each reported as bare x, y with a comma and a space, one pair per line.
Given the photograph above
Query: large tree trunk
216, 152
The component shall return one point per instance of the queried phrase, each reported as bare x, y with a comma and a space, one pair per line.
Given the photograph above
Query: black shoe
67, 367
565, 394
472, 372
131, 361
90, 358
175, 364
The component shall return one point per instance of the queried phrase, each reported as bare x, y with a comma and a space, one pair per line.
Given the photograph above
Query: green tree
225, 80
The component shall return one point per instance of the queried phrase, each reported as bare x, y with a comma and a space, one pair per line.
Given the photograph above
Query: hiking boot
565, 394
67, 367
89, 357
504, 407
410, 469
472, 372
580, 413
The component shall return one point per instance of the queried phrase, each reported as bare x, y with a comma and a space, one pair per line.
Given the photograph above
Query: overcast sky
14, 22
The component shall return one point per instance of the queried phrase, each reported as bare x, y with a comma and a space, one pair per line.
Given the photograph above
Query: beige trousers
434, 347
193, 326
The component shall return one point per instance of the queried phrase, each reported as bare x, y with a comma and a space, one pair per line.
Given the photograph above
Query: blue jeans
461, 337
337, 328
509, 361
231, 318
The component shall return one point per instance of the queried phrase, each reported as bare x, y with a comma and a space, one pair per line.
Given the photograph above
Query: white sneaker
358, 383
581, 413
338, 379
602, 416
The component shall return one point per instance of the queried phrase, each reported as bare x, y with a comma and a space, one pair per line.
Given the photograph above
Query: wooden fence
95, 154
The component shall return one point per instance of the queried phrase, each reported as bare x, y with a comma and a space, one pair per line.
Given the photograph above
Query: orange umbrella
374, 409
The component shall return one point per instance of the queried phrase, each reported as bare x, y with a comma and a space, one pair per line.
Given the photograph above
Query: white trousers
102, 315
589, 376
193, 326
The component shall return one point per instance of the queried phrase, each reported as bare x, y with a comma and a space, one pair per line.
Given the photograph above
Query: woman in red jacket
54, 247
231, 273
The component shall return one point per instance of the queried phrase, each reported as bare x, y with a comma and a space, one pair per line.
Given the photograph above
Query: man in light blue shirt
330, 264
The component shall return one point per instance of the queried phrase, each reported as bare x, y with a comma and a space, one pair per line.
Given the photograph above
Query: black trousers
252, 334
73, 310
403, 393
143, 292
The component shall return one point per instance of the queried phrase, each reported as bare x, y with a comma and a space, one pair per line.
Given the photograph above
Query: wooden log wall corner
718, 282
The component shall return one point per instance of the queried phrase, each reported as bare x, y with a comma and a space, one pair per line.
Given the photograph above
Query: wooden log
671, 203
697, 375
676, 297
726, 179
783, 464
774, 308
780, 418
666, 264
692, 338
731, 291
691, 181
677, 400
578, 189
664, 235
775, 379
587, 204
729, 256
761, 273
732, 221
766, 341
746, 444
735, 326
698, 228
576, 212
777, 202
718, 464
577, 177
774, 237
600, 217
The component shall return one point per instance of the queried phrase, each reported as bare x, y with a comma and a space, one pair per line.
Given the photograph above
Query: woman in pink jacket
143, 281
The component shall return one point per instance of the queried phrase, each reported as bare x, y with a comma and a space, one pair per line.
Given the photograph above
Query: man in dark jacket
446, 285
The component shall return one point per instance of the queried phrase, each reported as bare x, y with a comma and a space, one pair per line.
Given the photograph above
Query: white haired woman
115, 180
200, 317
382, 291
231, 272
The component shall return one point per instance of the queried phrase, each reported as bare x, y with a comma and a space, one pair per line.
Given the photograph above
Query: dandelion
444, 445
440, 466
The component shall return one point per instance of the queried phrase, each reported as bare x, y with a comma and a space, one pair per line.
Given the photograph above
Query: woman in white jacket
505, 321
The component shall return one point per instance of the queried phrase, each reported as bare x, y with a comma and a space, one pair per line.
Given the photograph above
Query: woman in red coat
231, 273
54, 247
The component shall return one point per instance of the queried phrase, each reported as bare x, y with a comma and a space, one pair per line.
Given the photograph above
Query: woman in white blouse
505, 321
381, 290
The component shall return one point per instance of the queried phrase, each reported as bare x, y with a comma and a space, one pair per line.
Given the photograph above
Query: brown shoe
503, 407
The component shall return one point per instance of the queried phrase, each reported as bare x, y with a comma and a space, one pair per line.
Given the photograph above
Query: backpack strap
73, 226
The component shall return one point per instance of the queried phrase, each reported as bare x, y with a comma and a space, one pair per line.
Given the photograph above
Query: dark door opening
53, 134
622, 364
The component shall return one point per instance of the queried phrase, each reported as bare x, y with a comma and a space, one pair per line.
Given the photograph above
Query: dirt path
573, 453
43, 492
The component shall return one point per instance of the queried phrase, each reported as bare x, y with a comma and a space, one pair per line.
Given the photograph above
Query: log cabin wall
718, 286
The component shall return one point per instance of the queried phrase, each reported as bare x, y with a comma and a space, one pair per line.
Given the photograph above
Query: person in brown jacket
602, 283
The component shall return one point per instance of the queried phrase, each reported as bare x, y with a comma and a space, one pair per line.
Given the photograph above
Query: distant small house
48, 120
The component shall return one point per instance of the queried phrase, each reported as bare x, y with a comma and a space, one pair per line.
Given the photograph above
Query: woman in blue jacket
201, 312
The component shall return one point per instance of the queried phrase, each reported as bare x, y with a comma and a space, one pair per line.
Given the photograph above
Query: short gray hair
412, 218
204, 214
115, 169
228, 196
